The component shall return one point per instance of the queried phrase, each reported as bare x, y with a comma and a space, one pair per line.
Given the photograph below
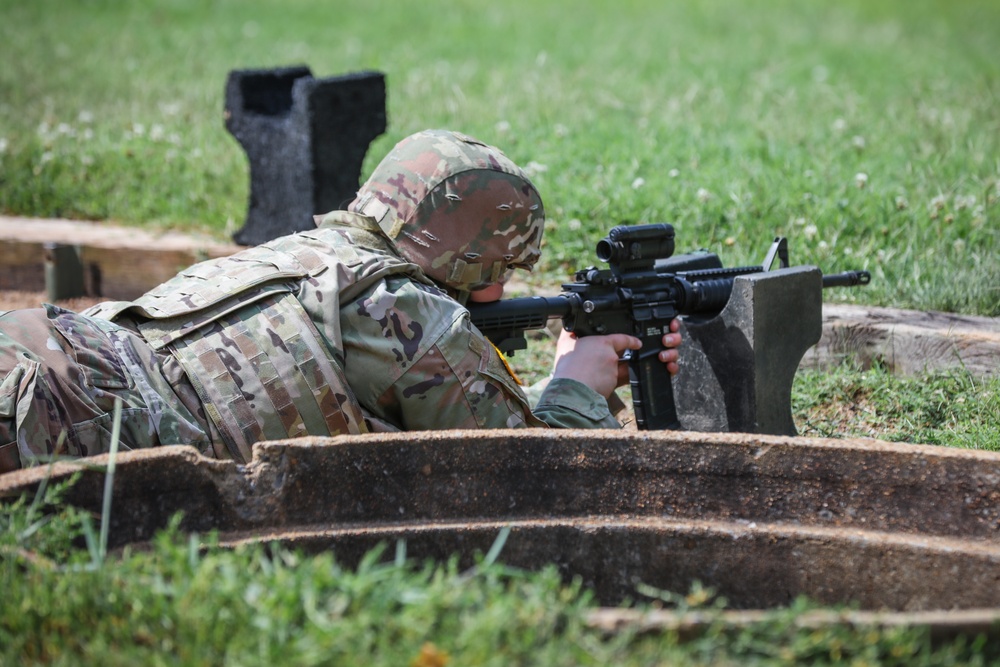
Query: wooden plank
22, 265
119, 263
125, 274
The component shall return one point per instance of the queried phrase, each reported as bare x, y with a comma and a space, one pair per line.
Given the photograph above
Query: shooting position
356, 326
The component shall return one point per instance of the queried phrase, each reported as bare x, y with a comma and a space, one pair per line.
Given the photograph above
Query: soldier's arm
464, 383
416, 362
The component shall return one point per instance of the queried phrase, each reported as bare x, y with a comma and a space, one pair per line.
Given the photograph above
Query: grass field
866, 131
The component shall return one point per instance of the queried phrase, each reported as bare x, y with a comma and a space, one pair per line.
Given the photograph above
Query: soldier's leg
59, 378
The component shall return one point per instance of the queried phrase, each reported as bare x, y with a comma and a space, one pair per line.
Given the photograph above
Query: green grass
734, 121
947, 408
187, 602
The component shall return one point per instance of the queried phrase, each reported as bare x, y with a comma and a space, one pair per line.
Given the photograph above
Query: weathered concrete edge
262, 450
942, 625
310, 461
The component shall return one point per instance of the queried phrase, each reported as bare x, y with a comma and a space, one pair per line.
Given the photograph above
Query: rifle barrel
847, 279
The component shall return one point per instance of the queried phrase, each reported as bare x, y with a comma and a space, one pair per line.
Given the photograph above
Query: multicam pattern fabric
410, 354
457, 207
260, 366
60, 374
415, 361
264, 374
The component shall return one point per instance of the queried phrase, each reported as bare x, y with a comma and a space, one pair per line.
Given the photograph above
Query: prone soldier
356, 326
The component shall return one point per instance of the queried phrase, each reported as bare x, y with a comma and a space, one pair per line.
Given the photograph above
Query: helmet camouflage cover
458, 208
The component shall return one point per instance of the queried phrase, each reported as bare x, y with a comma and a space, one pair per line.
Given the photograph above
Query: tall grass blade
498, 544
109, 481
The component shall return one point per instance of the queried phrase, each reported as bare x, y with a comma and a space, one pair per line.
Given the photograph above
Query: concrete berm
761, 519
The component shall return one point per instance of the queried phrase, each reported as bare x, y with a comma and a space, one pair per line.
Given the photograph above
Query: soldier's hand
593, 360
670, 355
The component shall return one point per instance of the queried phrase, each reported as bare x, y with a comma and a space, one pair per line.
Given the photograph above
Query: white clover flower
574, 224
503, 127
881, 254
958, 245
156, 132
534, 168
730, 241
799, 221
964, 202
858, 142
64, 129
861, 179
901, 203
703, 195
138, 129
938, 202
46, 157
822, 245
810, 231
638, 183
3, 145
848, 251
88, 134
839, 125
170, 108
85, 117
674, 173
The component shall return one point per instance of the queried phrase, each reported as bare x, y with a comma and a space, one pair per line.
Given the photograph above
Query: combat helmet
458, 208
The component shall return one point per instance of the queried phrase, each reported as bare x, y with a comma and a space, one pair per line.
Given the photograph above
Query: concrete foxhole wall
761, 519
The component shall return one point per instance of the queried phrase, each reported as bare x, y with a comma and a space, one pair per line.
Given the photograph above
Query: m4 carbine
644, 287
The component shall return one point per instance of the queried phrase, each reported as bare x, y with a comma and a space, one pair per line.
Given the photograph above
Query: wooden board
118, 262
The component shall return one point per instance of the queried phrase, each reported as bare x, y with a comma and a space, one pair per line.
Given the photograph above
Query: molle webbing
263, 374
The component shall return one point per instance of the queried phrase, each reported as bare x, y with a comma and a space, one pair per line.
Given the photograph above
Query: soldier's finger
622, 342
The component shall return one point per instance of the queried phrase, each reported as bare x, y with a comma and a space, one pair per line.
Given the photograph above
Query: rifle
641, 291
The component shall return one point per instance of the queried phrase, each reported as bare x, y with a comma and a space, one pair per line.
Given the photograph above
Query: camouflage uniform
330, 331
60, 374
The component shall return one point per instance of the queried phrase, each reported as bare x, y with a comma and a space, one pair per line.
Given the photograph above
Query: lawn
865, 132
